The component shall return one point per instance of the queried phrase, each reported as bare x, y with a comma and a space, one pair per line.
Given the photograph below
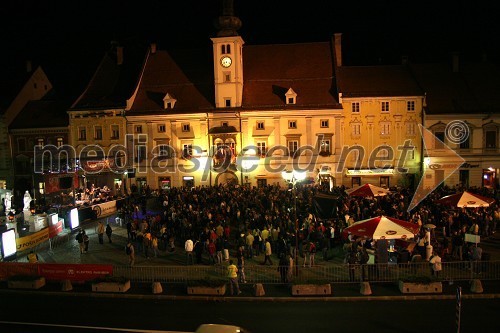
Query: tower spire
227, 23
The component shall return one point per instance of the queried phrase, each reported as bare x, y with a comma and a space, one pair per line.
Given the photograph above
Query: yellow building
236, 113
98, 126
383, 108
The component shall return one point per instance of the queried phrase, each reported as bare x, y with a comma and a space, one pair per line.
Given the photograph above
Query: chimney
29, 67
119, 55
338, 49
455, 62
153, 48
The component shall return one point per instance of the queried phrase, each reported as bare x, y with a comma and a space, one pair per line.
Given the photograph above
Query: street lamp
292, 177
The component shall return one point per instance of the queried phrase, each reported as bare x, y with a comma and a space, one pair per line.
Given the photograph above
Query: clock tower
228, 59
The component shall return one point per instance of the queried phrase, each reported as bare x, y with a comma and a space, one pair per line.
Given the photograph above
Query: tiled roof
472, 89
376, 81
269, 71
45, 113
112, 83
14, 76
187, 75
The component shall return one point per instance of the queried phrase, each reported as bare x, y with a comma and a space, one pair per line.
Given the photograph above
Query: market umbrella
382, 227
466, 199
368, 190
429, 226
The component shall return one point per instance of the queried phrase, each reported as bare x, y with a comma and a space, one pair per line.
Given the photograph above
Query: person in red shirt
212, 251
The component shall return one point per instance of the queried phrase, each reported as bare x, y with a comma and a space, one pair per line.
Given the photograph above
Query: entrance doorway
188, 182
164, 183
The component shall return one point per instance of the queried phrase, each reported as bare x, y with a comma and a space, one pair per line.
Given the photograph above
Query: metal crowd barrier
451, 271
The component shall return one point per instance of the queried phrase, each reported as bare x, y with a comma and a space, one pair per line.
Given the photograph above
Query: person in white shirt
188, 247
436, 266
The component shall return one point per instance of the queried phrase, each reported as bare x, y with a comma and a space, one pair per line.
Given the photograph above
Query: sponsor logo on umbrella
403, 237
391, 232
362, 230
471, 202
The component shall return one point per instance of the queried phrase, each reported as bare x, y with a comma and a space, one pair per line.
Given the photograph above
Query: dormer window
291, 97
168, 102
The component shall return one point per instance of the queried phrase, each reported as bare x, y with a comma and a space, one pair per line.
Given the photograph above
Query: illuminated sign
73, 216
369, 172
9, 247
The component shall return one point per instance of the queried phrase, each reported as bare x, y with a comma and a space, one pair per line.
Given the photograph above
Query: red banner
55, 229
74, 272
57, 182
8, 269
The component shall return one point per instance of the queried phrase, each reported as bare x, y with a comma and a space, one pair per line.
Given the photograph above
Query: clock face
226, 61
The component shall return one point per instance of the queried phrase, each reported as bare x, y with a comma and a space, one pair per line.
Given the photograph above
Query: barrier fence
451, 271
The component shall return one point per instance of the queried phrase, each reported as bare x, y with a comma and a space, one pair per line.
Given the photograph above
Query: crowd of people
214, 222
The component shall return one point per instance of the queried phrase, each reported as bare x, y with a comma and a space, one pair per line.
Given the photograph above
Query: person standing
325, 245
188, 247
154, 245
86, 241
198, 248
283, 266
305, 252
109, 232
131, 253
232, 274
211, 252
290, 267
219, 247
249, 244
435, 262
312, 253
147, 244
476, 254
240, 255
79, 238
267, 252
100, 232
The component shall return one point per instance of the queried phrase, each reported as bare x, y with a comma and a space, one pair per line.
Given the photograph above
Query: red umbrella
382, 227
368, 190
466, 199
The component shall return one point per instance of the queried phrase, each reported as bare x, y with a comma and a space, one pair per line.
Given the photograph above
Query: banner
55, 229
8, 269
105, 209
58, 182
74, 272
97, 166
27, 242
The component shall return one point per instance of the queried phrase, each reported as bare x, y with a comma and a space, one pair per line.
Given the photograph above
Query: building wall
248, 166
28, 168
370, 128
107, 145
480, 161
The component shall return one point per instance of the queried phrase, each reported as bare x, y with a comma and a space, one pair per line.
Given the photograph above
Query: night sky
72, 36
